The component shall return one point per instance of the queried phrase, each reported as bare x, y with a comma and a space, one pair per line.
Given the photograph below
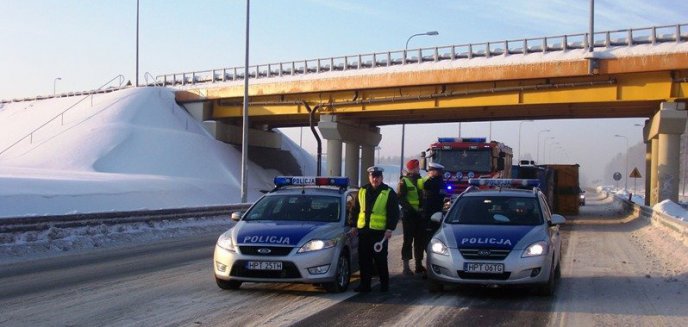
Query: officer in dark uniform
375, 215
410, 191
433, 199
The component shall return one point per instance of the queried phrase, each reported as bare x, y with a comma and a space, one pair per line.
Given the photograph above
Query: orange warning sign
635, 173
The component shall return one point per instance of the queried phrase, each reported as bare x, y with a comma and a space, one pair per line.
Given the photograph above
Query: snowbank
671, 209
131, 149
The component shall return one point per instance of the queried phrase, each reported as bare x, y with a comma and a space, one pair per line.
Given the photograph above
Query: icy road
616, 270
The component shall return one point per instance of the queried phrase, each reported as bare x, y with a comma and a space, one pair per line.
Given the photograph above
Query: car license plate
264, 265
486, 268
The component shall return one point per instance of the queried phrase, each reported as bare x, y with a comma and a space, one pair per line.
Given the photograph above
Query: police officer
433, 199
375, 215
410, 191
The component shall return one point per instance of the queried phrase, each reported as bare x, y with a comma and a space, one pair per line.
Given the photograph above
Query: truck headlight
436, 246
315, 245
225, 242
535, 249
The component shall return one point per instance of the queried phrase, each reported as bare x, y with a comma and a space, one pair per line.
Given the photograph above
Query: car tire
227, 284
547, 289
342, 276
435, 286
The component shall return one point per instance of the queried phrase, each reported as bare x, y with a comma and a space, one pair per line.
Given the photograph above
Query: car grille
274, 250
484, 254
465, 275
289, 270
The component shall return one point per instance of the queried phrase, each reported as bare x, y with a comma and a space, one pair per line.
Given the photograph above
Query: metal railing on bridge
626, 37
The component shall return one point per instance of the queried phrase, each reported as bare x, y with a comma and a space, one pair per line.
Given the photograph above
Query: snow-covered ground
667, 207
131, 149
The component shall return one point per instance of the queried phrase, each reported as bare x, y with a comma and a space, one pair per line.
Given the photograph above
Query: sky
88, 43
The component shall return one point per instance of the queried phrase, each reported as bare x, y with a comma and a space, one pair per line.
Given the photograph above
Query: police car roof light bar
504, 182
281, 181
462, 139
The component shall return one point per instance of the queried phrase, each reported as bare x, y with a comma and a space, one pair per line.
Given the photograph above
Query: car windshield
495, 210
296, 207
464, 160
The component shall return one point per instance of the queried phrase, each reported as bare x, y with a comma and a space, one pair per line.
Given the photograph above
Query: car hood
276, 233
489, 236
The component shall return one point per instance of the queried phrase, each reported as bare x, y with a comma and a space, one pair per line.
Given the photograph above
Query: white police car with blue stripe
296, 233
501, 236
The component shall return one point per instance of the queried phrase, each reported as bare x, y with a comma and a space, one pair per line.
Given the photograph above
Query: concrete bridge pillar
336, 131
334, 157
351, 165
665, 131
648, 161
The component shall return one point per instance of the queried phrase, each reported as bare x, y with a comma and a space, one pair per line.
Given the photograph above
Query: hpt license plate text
488, 268
264, 265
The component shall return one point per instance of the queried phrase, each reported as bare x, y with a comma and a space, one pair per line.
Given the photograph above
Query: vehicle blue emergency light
504, 182
462, 139
281, 181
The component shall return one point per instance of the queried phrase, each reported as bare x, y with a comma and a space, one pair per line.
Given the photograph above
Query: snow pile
131, 149
671, 209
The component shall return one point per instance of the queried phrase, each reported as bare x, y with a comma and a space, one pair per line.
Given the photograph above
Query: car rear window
296, 207
495, 210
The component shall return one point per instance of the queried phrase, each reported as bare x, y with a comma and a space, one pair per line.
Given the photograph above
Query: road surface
616, 270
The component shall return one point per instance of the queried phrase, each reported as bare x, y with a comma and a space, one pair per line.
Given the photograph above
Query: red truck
465, 158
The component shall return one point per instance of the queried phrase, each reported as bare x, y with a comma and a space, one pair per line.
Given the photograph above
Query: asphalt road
615, 271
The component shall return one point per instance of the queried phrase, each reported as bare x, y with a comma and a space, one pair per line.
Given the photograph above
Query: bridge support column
666, 128
351, 163
334, 157
336, 131
648, 161
367, 160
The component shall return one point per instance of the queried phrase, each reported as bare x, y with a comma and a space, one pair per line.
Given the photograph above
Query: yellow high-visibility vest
378, 216
412, 191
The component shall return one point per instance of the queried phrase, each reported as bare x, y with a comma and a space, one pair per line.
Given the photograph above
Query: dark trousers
367, 257
414, 237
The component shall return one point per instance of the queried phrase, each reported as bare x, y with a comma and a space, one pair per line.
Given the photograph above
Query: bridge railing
626, 37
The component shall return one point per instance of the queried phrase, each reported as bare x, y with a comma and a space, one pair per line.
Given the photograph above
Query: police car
296, 233
500, 236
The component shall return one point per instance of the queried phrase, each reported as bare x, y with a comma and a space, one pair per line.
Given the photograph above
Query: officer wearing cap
410, 191
375, 215
433, 199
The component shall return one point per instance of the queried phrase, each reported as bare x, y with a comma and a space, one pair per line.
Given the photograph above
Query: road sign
617, 176
635, 173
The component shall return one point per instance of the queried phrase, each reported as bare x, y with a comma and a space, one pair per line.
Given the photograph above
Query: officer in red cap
410, 191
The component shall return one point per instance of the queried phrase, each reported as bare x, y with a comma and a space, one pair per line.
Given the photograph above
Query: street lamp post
137, 43
403, 126
537, 152
544, 148
244, 138
519, 138
55, 83
626, 173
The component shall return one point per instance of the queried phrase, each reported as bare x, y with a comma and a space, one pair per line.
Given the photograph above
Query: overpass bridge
624, 73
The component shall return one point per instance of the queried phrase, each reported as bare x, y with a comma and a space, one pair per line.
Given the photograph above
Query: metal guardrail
626, 37
678, 229
25, 224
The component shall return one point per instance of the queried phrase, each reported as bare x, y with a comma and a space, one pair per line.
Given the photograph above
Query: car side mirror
436, 217
500, 163
558, 219
236, 216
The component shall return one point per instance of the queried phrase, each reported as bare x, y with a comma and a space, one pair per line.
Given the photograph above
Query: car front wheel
342, 277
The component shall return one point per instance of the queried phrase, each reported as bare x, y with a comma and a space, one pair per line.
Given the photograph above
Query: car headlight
225, 242
535, 249
582, 196
436, 246
315, 245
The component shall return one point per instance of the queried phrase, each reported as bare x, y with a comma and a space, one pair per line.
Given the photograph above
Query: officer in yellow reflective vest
410, 191
375, 215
